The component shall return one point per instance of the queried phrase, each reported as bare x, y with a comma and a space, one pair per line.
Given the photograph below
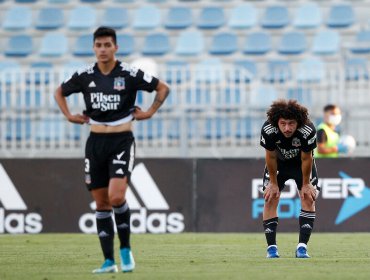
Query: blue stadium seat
245, 70
308, 15
54, 45
211, 18
340, 16
189, 43
91, 1
126, 44
361, 45
326, 42
177, 71
82, 17
49, 18
278, 71
223, 44
84, 46
275, 16
243, 16
156, 44
311, 70
178, 18
292, 43
356, 68
115, 17
17, 18
146, 17
257, 43
19, 45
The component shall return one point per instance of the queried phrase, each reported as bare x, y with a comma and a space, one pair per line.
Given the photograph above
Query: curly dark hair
287, 109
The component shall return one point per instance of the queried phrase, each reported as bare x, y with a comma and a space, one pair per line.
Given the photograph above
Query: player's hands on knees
271, 192
308, 191
79, 119
141, 115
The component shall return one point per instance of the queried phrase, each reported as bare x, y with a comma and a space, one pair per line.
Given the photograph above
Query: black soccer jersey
109, 97
288, 149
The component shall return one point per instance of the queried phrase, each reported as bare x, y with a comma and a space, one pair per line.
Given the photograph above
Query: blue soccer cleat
272, 252
301, 252
109, 266
127, 260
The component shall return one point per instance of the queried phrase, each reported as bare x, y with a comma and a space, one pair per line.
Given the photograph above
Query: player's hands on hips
141, 115
79, 119
308, 191
271, 192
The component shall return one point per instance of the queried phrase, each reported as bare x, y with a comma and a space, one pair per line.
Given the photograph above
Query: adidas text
142, 222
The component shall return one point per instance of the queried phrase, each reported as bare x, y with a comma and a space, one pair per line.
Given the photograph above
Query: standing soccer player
109, 89
289, 139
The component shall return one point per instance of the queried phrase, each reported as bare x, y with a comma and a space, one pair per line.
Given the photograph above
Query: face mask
335, 119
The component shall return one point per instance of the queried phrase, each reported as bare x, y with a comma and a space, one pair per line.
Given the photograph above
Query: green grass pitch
187, 256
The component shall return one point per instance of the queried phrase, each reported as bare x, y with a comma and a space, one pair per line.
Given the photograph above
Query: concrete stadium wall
176, 195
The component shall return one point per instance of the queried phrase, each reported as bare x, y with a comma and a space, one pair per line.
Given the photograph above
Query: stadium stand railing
214, 110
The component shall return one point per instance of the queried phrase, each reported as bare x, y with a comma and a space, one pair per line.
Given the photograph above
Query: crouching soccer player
289, 139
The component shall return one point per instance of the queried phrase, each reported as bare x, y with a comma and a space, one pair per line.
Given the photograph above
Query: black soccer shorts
288, 171
108, 155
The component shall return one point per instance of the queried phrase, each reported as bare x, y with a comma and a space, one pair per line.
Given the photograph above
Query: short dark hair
104, 31
329, 107
287, 109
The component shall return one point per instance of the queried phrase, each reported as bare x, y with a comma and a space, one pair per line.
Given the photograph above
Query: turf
186, 256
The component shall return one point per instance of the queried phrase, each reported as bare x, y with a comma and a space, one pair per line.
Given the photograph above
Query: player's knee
116, 199
307, 203
272, 203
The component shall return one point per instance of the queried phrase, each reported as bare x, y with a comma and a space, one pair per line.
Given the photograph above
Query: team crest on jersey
296, 142
119, 83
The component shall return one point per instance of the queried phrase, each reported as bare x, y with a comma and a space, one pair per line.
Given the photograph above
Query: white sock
302, 245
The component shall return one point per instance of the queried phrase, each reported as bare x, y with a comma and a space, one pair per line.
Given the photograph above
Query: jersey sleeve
309, 143
266, 140
145, 81
72, 85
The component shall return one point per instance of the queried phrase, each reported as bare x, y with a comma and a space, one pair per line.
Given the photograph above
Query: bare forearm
62, 103
271, 164
162, 93
306, 169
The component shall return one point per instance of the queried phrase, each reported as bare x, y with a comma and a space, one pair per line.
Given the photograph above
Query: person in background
328, 145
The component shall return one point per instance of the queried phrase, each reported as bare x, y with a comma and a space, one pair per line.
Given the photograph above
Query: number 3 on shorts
87, 165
